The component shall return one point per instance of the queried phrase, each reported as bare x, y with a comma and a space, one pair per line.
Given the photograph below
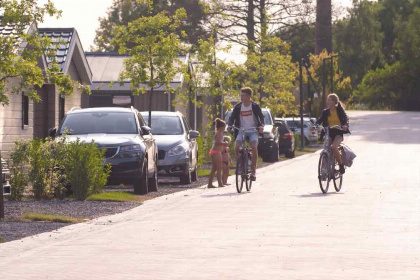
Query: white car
309, 131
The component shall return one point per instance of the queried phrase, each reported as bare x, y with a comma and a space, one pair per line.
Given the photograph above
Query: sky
84, 16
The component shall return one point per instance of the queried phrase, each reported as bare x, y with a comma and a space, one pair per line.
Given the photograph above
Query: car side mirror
52, 132
145, 130
194, 134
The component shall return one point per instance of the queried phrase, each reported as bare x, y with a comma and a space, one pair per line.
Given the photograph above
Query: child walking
216, 154
226, 160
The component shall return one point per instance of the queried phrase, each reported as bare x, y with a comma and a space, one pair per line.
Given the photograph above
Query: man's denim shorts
249, 136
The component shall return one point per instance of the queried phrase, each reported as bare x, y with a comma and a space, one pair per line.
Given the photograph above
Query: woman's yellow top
333, 118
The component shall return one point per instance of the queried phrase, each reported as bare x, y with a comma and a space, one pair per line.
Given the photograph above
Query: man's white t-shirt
247, 117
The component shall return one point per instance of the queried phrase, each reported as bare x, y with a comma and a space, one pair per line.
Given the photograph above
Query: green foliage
18, 164
2, 239
19, 61
358, 39
49, 166
300, 37
116, 196
270, 71
122, 12
205, 143
342, 84
85, 171
37, 217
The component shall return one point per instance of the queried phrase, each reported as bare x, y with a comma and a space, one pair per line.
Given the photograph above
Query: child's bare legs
216, 166
225, 172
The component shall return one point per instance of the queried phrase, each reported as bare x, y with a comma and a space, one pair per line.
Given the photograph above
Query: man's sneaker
252, 177
342, 170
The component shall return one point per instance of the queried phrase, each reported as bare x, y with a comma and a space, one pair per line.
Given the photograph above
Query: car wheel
290, 154
141, 183
185, 179
274, 156
153, 182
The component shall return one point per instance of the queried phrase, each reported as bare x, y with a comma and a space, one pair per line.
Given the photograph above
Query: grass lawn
35, 217
2, 240
117, 197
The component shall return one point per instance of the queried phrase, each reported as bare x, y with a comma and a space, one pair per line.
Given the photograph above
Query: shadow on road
223, 194
316, 195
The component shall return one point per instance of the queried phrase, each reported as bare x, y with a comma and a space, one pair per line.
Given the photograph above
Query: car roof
162, 113
100, 109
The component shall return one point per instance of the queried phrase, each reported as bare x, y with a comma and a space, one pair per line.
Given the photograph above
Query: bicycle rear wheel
248, 182
323, 174
239, 173
338, 178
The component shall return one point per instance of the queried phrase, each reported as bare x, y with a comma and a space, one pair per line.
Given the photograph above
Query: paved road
284, 229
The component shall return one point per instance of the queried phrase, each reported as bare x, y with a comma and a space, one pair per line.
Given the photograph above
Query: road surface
284, 229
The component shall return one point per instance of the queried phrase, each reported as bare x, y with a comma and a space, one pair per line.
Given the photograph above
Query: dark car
287, 139
268, 142
7, 189
177, 145
130, 147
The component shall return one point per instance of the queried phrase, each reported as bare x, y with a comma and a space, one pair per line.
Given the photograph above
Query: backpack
348, 155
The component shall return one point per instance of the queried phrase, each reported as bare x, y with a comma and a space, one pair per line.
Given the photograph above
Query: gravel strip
12, 228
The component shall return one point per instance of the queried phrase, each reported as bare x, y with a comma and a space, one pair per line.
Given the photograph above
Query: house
26, 119
107, 91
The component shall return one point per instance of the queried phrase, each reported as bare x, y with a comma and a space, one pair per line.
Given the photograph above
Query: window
25, 110
61, 108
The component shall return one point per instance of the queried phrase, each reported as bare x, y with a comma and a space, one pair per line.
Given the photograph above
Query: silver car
177, 145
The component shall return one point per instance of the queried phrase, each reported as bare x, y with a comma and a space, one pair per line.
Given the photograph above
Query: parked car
286, 139
268, 142
319, 130
177, 145
7, 189
130, 147
309, 131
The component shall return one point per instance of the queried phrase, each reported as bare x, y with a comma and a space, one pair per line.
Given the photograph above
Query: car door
192, 143
150, 143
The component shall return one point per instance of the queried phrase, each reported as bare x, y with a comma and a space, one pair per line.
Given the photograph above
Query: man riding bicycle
247, 114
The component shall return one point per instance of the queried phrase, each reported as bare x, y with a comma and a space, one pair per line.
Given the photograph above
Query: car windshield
267, 118
99, 122
165, 125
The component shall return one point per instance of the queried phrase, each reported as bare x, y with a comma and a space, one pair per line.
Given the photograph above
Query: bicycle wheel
323, 174
239, 173
248, 182
338, 178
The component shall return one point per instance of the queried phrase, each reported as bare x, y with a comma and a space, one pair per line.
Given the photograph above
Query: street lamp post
1, 191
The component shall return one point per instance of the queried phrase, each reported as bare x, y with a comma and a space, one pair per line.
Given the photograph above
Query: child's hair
219, 123
336, 99
227, 139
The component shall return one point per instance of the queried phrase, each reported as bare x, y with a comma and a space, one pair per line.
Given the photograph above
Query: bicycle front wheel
323, 172
239, 173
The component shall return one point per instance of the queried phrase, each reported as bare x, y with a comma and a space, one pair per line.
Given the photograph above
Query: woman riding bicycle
335, 115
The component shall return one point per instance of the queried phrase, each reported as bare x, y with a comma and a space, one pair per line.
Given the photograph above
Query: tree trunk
250, 24
323, 37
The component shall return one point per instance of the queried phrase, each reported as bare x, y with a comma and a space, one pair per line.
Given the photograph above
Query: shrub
85, 171
18, 165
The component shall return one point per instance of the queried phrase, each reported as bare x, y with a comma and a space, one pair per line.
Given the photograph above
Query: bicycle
327, 166
243, 162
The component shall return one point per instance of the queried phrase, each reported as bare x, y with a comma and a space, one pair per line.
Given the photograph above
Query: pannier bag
348, 155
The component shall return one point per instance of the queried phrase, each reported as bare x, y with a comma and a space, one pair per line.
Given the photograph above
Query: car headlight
178, 150
268, 135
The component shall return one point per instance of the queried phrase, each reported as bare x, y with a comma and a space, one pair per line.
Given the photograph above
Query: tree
323, 36
341, 83
270, 71
153, 47
124, 11
245, 21
20, 52
358, 39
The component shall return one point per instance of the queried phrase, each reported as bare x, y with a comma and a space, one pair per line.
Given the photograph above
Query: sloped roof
68, 47
107, 66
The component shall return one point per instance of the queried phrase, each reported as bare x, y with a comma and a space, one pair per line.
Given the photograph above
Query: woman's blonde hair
336, 99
